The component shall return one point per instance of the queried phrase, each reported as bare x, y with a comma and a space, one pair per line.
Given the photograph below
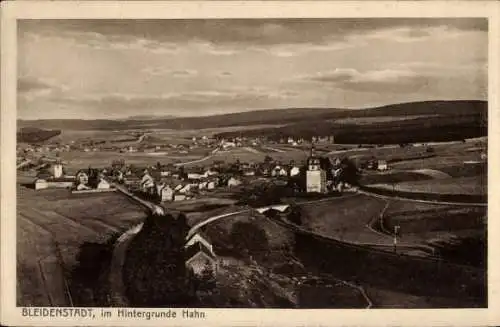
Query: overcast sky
112, 68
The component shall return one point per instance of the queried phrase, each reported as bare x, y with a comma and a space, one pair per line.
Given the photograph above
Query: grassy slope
75, 223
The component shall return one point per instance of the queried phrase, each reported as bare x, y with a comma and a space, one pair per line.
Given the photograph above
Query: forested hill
404, 123
35, 135
289, 116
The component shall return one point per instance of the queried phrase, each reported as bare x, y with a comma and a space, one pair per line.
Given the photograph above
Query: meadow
53, 229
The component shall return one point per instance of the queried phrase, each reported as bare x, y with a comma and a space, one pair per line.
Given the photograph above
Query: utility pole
395, 241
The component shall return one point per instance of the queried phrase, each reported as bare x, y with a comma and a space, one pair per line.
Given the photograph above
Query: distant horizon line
173, 116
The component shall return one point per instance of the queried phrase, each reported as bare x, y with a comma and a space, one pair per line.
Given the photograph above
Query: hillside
275, 116
431, 129
35, 135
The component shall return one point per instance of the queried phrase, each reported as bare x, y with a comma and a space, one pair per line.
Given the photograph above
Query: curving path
387, 197
119, 252
179, 164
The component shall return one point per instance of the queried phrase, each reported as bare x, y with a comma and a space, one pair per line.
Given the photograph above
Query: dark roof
60, 179
198, 247
201, 234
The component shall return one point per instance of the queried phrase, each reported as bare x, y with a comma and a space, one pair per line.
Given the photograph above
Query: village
170, 182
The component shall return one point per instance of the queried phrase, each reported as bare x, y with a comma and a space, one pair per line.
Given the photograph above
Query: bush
249, 238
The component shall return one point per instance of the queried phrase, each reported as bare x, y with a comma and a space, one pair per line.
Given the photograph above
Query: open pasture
219, 232
69, 136
476, 185
188, 134
52, 226
445, 228
344, 218
380, 119
80, 160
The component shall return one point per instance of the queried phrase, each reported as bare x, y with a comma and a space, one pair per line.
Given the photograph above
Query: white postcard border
10, 315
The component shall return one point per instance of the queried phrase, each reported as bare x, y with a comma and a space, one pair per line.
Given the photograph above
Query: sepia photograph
269, 163
167, 167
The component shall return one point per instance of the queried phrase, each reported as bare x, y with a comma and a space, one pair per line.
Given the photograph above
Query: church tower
315, 176
58, 169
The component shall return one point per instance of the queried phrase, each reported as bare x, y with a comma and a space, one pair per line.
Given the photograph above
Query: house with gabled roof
199, 237
165, 192
200, 257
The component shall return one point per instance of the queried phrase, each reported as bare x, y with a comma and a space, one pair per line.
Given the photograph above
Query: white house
184, 188
279, 171
382, 165
166, 193
196, 176
211, 185
294, 171
249, 172
147, 183
233, 182
210, 172
179, 197
103, 184
41, 184
200, 257
226, 145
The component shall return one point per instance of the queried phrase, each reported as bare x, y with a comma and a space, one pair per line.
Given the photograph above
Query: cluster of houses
89, 180
168, 186
54, 178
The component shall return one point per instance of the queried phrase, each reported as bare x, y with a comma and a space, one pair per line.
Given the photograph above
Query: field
382, 119
442, 227
368, 220
344, 218
58, 235
80, 160
461, 185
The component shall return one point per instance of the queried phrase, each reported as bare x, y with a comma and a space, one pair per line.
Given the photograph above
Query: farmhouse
200, 258
166, 193
53, 183
294, 171
180, 197
382, 165
195, 176
211, 185
201, 238
103, 184
147, 183
233, 182
278, 171
248, 172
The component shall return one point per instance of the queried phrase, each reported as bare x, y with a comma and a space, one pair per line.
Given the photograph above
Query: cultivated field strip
52, 226
49, 265
31, 241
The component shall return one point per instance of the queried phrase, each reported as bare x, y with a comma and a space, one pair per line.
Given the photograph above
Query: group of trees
35, 135
155, 270
249, 239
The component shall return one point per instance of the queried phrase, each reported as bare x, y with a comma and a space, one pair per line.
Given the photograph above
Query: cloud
176, 73
163, 35
386, 80
97, 41
358, 39
194, 99
30, 87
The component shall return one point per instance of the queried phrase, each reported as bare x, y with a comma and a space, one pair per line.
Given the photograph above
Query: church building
315, 174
